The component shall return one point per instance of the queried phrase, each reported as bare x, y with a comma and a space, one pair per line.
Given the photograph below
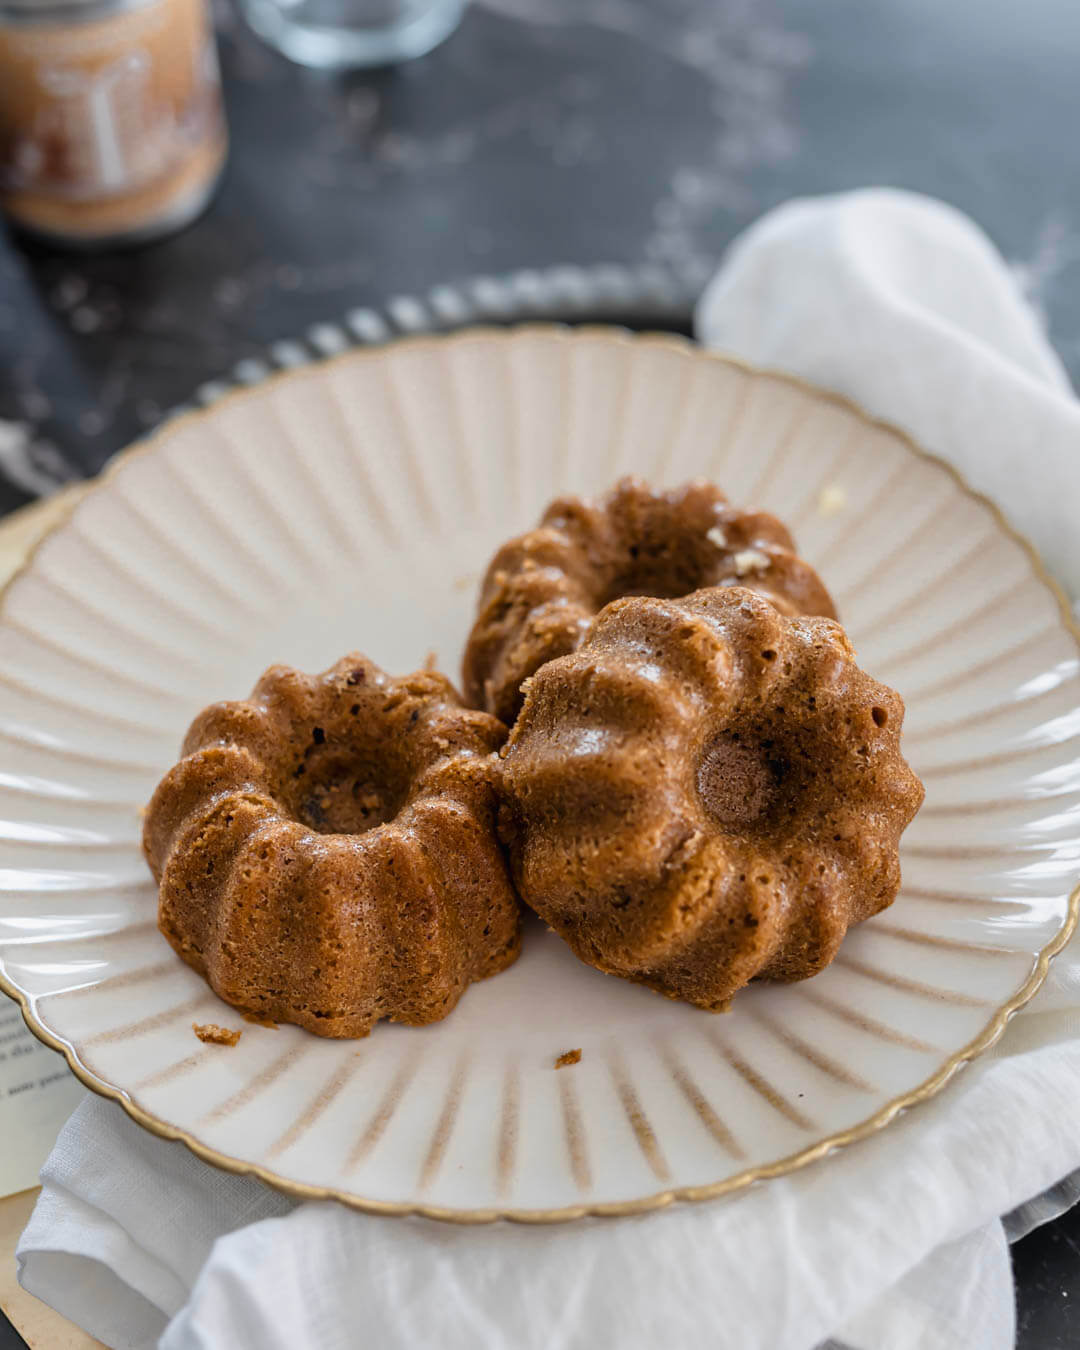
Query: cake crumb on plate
211, 1034
832, 500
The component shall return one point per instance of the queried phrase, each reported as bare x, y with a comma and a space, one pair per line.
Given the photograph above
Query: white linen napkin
892, 1244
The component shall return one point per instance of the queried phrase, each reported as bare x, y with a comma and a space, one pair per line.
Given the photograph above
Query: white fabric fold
903, 303
961, 1294
893, 1244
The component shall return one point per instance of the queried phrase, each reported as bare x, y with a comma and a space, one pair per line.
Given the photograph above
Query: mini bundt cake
543, 589
326, 851
705, 792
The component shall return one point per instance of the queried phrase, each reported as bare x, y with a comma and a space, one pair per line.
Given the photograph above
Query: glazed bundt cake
543, 589
326, 851
705, 792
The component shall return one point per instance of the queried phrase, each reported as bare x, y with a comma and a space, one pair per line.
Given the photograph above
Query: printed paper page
37, 1094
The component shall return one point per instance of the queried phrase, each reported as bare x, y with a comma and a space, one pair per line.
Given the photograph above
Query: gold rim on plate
659, 1200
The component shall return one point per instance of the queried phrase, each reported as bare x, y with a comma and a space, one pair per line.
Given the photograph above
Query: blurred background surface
547, 131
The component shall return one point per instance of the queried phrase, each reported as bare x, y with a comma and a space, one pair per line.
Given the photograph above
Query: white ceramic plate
354, 504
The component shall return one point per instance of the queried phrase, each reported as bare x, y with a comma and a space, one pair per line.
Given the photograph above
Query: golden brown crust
543, 589
326, 850
705, 792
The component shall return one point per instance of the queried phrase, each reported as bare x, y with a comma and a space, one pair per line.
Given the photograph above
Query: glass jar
111, 124
339, 34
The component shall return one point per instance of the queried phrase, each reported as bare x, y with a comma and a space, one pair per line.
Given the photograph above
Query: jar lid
64, 11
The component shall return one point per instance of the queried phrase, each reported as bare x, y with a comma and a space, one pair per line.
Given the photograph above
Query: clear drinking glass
349, 33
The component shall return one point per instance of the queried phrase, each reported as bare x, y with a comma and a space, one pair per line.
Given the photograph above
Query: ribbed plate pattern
354, 503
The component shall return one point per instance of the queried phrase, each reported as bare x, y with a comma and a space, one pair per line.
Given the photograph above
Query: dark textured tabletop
613, 131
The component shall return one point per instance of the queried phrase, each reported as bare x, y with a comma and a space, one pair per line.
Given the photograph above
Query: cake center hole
343, 794
666, 571
736, 781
